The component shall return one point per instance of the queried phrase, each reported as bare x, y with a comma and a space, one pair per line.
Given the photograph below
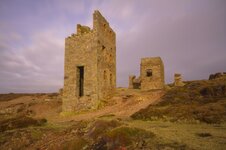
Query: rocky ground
189, 117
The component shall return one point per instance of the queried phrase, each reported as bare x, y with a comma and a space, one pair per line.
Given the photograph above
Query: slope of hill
203, 101
189, 117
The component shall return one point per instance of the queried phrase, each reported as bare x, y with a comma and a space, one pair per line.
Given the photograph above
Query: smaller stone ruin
178, 80
151, 75
134, 83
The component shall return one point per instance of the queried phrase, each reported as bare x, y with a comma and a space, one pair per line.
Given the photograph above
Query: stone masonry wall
134, 83
94, 50
131, 79
152, 73
106, 54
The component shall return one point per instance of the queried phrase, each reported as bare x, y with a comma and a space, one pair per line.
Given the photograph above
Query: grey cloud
189, 44
190, 36
37, 67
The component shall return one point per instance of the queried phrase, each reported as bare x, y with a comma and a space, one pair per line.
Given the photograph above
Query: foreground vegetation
188, 117
110, 133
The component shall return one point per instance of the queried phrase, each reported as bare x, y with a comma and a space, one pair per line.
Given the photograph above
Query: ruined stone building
151, 75
134, 83
178, 80
90, 65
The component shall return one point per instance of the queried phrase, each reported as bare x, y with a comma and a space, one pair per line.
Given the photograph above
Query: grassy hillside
12, 96
201, 101
33, 121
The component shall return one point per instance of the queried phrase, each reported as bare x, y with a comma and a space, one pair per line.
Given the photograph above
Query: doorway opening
81, 80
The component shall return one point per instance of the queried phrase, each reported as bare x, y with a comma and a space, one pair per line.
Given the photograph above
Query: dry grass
20, 122
196, 102
174, 135
11, 96
204, 101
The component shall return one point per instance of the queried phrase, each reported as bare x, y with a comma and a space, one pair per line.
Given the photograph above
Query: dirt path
124, 103
127, 103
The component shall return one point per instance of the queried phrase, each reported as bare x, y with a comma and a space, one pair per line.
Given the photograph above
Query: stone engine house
151, 75
90, 65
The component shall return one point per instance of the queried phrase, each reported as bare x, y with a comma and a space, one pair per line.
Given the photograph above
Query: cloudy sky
189, 35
